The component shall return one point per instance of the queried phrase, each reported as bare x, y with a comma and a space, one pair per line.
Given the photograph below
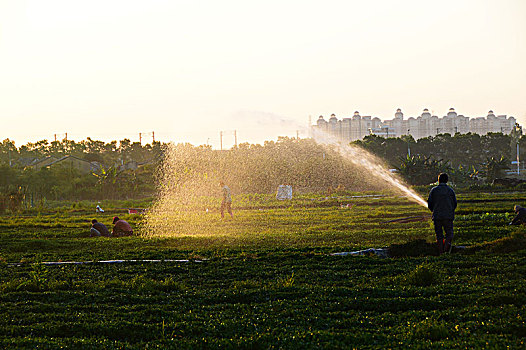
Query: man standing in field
443, 202
227, 200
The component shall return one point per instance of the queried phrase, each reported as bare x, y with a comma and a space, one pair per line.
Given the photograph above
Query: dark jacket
442, 202
101, 228
520, 218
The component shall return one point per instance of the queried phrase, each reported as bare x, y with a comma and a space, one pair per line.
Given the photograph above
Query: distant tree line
247, 168
90, 150
21, 181
469, 158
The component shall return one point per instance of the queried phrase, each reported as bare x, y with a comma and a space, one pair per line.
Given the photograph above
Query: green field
265, 279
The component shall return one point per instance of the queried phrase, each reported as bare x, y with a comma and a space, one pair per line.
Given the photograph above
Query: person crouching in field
99, 229
121, 228
226, 203
443, 202
520, 218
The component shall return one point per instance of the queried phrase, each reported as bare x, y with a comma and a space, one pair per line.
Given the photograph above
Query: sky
188, 70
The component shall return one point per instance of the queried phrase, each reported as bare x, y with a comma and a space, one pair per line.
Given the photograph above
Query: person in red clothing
121, 228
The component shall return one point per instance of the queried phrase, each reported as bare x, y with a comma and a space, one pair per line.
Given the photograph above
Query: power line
207, 137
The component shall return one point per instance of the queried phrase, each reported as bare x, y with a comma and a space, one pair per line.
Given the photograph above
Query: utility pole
297, 135
227, 132
408, 149
66, 138
55, 137
141, 134
518, 162
518, 133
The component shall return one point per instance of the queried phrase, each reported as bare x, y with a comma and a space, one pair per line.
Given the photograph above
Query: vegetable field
266, 279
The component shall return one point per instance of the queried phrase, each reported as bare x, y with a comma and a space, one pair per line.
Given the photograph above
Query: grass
268, 280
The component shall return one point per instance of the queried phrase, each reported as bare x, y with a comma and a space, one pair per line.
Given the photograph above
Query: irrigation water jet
181, 186
368, 161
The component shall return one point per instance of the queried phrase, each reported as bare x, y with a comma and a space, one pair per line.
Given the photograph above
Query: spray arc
369, 162
180, 187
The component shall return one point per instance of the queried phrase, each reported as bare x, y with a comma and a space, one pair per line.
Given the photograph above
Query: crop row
282, 300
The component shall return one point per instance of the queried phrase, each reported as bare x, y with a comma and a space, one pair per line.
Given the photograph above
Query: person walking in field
121, 228
442, 202
99, 229
226, 203
520, 217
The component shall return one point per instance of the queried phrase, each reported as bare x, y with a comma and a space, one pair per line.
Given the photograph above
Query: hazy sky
189, 69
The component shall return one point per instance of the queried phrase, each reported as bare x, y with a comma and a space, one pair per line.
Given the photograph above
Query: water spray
370, 162
181, 186
356, 155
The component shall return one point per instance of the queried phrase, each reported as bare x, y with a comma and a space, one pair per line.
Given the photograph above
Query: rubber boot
447, 245
440, 245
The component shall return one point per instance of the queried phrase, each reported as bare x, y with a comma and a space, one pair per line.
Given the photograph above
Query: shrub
37, 281
169, 285
424, 275
247, 284
516, 241
285, 282
430, 329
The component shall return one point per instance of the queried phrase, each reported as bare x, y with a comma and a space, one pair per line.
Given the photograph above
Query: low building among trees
82, 165
42, 163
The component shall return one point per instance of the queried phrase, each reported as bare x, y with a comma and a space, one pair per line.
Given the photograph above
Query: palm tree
495, 167
106, 180
422, 170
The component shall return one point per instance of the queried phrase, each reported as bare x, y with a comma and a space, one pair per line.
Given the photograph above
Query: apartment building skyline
357, 127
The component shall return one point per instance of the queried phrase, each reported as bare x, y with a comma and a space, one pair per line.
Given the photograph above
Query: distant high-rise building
357, 127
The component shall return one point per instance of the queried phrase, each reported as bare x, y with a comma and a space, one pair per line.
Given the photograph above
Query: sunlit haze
190, 69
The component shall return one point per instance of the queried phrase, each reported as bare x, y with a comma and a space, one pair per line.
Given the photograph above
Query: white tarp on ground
284, 192
109, 262
381, 252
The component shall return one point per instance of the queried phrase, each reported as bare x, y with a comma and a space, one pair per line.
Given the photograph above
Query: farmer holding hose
443, 202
